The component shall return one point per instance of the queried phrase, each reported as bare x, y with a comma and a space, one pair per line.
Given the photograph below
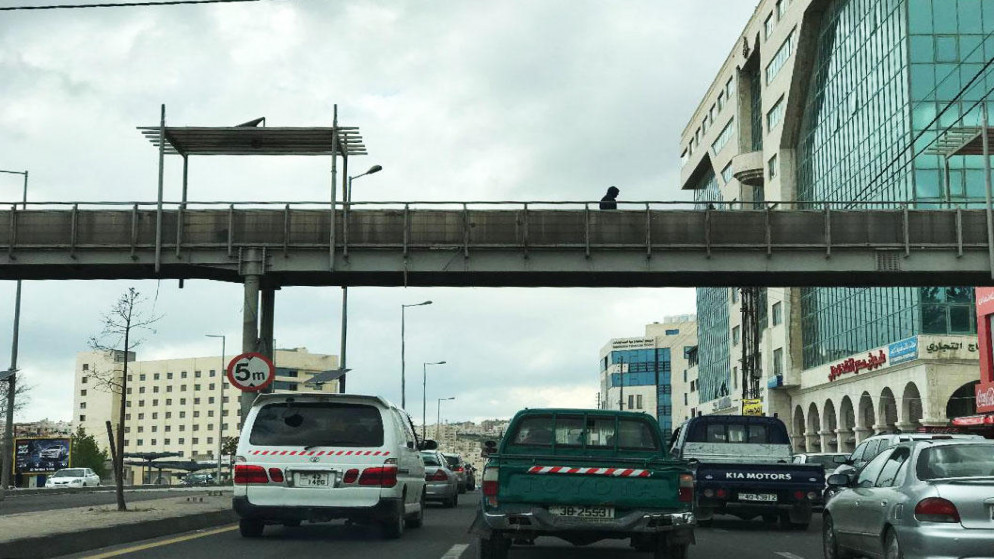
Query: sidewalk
52, 533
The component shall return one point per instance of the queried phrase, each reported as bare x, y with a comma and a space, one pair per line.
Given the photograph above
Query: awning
974, 420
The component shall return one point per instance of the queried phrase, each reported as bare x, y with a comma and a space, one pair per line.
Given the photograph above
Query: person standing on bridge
610, 200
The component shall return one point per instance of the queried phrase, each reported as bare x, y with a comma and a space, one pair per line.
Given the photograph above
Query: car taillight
440, 475
489, 485
276, 475
458, 469
351, 476
799, 495
686, 491
936, 509
246, 474
381, 476
721, 493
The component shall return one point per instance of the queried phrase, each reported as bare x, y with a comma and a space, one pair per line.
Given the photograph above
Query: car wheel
893, 548
250, 527
830, 542
393, 527
494, 547
417, 520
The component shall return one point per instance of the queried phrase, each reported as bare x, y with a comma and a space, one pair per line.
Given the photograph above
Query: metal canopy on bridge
252, 140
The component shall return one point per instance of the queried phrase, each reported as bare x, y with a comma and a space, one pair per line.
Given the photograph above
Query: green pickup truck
584, 476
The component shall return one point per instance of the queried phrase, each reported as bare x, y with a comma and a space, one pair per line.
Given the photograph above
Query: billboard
41, 456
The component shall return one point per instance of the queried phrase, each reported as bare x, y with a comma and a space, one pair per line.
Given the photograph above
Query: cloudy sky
458, 100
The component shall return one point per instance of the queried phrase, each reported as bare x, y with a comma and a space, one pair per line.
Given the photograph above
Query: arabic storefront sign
985, 397
903, 351
854, 366
722, 404
752, 407
633, 343
943, 346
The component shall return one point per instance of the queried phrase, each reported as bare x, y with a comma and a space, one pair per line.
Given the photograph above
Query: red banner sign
985, 398
853, 366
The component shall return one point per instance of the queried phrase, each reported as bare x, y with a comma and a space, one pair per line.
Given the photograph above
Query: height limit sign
251, 372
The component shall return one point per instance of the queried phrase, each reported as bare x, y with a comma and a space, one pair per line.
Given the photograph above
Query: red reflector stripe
615, 472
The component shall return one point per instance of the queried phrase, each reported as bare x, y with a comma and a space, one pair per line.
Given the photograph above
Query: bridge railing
535, 225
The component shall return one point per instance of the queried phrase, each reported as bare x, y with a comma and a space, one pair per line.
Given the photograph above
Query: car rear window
430, 460
317, 424
950, 461
575, 431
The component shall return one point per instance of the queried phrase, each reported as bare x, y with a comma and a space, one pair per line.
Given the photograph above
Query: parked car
919, 499
319, 457
73, 477
741, 468
873, 446
457, 465
470, 477
443, 486
827, 460
584, 476
198, 479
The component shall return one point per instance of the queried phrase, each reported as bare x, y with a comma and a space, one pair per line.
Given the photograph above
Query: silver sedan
925, 499
442, 483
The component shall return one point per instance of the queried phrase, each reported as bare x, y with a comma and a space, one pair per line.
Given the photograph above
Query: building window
735, 377
631, 402
165, 441
210, 386
210, 413
210, 440
169, 376
196, 401
730, 89
673, 332
182, 374
774, 166
141, 416
778, 361
182, 427
155, 415
141, 403
169, 388
155, 429
82, 380
775, 115
196, 387
182, 414
82, 405
168, 428
127, 417
736, 332
140, 442
782, 6
735, 295
155, 403
86, 367
210, 400
638, 401
155, 389
82, 392
777, 313
182, 401
155, 376
721, 100
82, 418
213, 373
169, 415
780, 58
182, 388
195, 440
196, 374
129, 390
141, 377
726, 173
723, 138
196, 413
181, 441
768, 26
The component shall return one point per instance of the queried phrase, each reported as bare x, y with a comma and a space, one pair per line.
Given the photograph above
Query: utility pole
7, 462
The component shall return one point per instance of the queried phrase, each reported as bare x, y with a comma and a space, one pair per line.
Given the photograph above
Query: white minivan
319, 457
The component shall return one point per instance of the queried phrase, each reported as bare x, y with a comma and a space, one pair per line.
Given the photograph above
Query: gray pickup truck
742, 467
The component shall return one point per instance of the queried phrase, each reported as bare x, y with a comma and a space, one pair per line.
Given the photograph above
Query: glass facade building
883, 72
645, 367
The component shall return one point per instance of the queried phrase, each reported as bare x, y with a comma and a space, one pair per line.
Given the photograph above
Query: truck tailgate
625, 485
761, 476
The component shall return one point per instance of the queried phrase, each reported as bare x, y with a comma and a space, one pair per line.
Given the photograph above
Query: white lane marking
456, 551
787, 555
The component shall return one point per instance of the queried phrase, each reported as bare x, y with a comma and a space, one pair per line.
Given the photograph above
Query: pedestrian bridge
533, 244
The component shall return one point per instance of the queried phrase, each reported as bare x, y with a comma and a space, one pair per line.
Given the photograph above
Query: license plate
315, 479
758, 497
587, 513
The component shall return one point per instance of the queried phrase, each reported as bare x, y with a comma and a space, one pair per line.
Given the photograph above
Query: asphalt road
445, 536
40, 501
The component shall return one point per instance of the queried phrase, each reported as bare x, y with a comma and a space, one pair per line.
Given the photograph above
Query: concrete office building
637, 373
178, 405
821, 101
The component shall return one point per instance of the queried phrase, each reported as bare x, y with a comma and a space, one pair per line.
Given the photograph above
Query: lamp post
8, 437
438, 415
345, 288
424, 396
403, 381
220, 406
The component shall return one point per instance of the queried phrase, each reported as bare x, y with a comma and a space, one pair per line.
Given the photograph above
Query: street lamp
438, 416
345, 288
424, 396
403, 381
220, 405
8, 437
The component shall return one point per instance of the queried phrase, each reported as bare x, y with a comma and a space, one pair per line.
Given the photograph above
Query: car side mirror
429, 444
838, 480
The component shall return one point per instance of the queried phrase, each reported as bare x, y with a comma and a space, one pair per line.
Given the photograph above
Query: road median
53, 533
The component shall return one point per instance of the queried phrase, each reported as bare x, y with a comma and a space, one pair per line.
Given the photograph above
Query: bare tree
20, 397
122, 327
